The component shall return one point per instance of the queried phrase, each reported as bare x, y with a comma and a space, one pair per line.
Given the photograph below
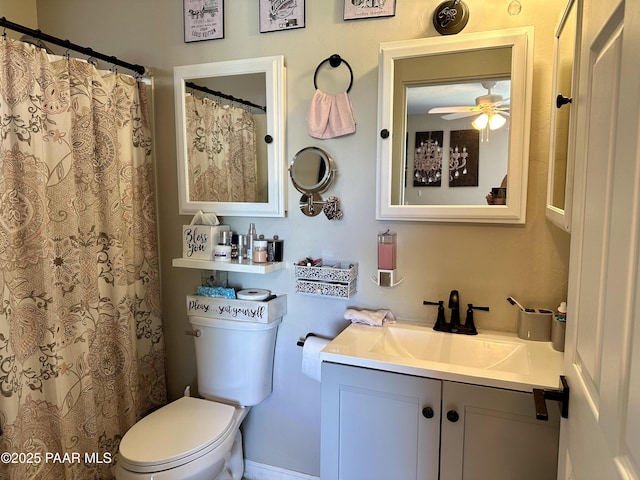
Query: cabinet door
373, 426
492, 434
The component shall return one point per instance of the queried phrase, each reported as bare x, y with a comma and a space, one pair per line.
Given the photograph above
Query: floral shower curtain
221, 146
81, 347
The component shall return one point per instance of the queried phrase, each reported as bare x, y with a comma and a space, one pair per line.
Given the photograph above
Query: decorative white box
198, 241
240, 310
324, 289
333, 279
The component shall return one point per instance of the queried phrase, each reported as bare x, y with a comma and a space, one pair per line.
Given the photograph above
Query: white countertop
357, 346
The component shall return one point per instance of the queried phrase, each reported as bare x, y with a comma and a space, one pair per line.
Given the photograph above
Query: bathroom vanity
403, 401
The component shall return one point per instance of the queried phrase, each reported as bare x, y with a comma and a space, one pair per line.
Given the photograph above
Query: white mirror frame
521, 42
557, 215
274, 70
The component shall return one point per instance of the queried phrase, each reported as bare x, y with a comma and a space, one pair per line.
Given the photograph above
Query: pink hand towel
330, 115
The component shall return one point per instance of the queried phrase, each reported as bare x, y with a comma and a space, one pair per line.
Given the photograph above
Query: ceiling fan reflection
491, 111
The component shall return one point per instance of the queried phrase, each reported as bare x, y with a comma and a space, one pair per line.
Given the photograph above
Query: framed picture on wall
464, 158
276, 15
356, 9
427, 159
203, 20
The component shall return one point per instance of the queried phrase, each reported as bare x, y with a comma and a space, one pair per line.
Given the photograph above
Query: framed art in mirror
455, 85
562, 126
230, 129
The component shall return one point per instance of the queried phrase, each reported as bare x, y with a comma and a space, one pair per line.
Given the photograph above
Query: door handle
540, 396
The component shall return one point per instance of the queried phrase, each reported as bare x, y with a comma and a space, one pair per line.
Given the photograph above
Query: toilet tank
234, 357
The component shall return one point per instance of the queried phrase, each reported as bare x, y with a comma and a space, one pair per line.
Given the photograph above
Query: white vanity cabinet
373, 425
492, 434
383, 425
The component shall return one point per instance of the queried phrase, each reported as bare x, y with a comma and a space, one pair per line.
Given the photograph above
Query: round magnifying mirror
312, 170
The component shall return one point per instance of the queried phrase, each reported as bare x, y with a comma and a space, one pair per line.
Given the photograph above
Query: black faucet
454, 305
455, 326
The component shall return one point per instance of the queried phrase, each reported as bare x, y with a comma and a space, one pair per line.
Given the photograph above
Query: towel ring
335, 61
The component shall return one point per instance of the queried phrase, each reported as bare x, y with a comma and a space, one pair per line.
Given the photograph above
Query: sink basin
492, 359
466, 351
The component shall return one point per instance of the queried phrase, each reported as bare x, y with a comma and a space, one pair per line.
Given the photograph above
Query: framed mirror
561, 145
454, 118
230, 127
312, 172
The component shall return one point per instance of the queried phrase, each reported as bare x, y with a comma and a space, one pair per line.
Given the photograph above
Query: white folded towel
375, 318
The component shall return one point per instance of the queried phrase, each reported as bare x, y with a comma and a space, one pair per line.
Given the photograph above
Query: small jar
275, 249
222, 253
260, 251
224, 237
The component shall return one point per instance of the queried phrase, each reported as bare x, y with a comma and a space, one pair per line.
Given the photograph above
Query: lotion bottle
251, 236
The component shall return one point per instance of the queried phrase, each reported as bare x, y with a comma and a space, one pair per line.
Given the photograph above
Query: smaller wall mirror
230, 130
454, 117
312, 172
561, 145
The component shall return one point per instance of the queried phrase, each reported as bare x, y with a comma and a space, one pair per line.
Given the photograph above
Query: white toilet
199, 439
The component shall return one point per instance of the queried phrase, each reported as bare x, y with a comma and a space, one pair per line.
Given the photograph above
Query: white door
601, 438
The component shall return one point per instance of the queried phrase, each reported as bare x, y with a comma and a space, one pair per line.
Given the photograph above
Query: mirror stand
309, 204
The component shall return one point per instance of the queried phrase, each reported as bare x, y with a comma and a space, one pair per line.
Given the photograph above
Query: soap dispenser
387, 249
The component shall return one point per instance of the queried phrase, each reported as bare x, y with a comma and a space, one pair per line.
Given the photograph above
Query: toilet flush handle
193, 333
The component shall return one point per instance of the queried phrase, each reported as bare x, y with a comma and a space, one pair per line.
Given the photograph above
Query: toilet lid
176, 432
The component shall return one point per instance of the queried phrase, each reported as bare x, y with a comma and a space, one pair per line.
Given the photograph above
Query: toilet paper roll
255, 294
311, 356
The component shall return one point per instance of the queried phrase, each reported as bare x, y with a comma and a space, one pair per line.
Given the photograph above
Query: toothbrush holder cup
535, 324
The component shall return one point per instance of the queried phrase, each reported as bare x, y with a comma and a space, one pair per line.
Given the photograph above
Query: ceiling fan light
480, 122
496, 121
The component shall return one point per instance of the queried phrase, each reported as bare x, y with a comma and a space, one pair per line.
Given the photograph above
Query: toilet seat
176, 434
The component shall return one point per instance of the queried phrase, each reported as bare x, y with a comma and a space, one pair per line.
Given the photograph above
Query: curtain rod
201, 88
71, 46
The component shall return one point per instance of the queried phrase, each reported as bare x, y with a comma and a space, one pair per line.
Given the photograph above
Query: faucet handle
469, 327
441, 324
475, 307
427, 302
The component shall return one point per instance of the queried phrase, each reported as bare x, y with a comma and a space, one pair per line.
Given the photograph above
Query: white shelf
244, 266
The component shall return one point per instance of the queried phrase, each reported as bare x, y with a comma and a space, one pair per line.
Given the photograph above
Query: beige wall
22, 12
485, 263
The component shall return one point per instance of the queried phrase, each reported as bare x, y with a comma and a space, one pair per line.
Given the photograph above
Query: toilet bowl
190, 438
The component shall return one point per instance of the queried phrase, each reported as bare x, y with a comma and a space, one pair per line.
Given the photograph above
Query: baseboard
261, 471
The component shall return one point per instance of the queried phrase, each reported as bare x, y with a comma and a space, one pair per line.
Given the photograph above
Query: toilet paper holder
300, 342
